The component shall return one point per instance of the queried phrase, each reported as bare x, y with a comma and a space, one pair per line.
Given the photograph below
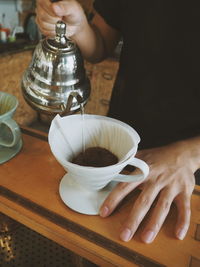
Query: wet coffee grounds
95, 157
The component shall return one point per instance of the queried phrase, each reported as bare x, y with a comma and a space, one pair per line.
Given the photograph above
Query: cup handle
16, 133
134, 177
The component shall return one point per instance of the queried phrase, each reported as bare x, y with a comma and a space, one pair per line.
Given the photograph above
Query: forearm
96, 40
90, 42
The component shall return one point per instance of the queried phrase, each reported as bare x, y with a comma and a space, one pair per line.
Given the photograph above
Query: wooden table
29, 194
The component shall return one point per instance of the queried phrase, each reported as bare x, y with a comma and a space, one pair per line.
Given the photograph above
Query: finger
158, 215
45, 28
67, 8
45, 22
184, 213
139, 210
115, 197
46, 25
62, 8
44, 16
47, 6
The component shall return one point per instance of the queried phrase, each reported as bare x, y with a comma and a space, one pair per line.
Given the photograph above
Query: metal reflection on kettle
56, 75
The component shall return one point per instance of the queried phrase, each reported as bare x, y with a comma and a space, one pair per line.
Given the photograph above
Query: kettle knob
60, 28
60, 37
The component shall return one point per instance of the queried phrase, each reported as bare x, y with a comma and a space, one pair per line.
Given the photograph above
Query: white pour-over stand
83, 188
80, 199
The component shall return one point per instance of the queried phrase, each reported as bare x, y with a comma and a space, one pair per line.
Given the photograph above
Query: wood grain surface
29, 194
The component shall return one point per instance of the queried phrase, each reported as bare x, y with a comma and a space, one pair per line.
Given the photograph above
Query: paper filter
67, 135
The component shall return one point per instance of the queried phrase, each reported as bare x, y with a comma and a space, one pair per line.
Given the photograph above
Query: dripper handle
134, 177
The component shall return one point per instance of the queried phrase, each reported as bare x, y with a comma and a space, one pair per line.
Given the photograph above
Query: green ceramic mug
10, 133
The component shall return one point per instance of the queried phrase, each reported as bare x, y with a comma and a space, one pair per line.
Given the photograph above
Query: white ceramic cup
66, 136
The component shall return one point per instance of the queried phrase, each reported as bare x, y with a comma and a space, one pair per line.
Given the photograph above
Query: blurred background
17, 23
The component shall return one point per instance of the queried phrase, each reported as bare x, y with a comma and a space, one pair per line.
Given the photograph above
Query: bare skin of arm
95, 40
172, 167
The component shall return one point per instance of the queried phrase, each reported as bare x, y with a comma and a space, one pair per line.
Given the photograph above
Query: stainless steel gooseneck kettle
56, 76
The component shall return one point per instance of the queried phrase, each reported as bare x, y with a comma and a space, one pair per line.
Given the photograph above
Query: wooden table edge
127, 254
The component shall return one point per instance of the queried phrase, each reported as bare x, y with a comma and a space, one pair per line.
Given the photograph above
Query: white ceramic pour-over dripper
114, 135
90, 185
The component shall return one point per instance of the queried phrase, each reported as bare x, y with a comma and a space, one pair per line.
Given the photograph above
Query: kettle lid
60, 43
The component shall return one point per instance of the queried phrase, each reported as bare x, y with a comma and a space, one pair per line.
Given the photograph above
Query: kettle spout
67, 107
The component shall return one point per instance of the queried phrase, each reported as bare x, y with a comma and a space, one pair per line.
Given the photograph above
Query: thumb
58, 9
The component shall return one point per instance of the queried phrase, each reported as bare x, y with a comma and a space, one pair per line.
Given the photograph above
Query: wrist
79, 31
89, 42
191, 152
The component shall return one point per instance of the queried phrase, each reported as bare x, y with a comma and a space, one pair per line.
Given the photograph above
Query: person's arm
171, 179
96, 40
